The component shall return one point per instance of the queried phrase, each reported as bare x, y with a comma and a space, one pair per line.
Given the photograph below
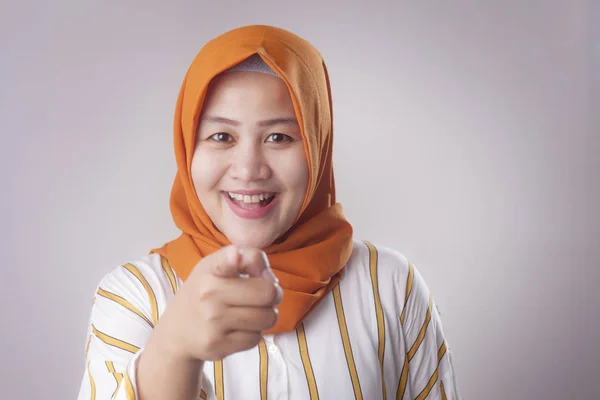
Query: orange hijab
310, 258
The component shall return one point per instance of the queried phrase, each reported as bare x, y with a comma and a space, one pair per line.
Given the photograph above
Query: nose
249, 163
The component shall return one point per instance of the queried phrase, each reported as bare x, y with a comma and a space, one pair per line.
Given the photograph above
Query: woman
265, 294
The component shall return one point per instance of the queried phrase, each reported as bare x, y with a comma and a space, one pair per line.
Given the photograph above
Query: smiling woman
265, 294
249, 168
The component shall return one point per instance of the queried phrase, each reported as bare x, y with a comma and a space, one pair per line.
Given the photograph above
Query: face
249, 167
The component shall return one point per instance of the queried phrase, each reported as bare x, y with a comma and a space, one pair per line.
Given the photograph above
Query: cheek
294, 172
206, 172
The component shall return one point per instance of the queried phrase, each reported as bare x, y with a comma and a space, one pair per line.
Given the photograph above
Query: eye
279, 138
221, 137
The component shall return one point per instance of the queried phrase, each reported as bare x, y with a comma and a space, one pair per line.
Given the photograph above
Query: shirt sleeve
126, 307
428, 370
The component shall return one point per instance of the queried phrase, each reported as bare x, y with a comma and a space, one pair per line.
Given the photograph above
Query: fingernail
267, 273
266, 258
279, 297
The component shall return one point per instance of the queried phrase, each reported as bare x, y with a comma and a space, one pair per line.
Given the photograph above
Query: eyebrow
264, 123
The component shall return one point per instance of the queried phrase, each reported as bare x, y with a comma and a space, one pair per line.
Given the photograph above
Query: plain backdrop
467, 136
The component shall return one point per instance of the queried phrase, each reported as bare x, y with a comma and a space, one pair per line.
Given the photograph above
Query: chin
251, 240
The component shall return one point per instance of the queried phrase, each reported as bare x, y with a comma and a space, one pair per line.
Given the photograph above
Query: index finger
232, 261
256, 263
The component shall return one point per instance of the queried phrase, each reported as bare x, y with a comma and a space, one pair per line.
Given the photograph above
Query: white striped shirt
377, 335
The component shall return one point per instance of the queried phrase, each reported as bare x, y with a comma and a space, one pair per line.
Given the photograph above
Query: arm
428, 369
131, 355
123, 361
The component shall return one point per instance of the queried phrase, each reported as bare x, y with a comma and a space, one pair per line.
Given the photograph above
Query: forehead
247, 90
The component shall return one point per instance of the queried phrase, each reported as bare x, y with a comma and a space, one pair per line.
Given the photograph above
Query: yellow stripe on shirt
339, 309
87, 346
409, 284
264, 368
92, 383
442, 351
170, 274
373, 258
308, 370
118, 376
443, 391
114, 341
124, 303
417, 344
403, 380
129, 387
151, 296
423, 395
219, 388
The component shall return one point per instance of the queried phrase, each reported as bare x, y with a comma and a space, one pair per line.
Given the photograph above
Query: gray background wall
467, 137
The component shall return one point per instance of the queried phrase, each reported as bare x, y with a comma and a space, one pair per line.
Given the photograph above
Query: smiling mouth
251, 202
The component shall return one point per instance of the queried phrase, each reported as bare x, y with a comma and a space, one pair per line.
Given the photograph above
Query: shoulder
387, 263
151, 269
390, 272
127, 304
147, 283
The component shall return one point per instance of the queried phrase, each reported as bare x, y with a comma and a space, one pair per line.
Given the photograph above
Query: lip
250, 214
247, 192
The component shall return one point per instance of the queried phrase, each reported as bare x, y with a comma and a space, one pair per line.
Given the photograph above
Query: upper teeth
250, 199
